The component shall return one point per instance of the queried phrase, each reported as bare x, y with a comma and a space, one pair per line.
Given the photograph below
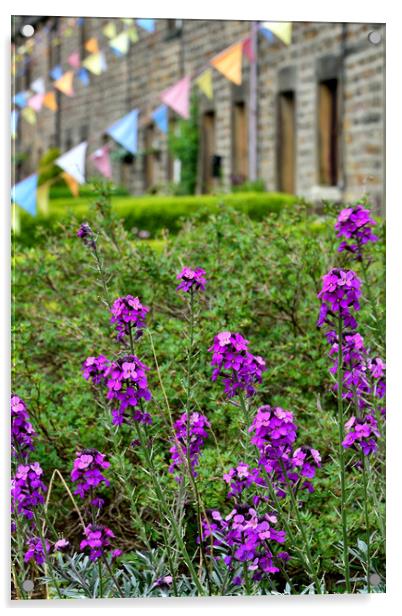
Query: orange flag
71, 183
229, 62
92, 45
65, 83
50, 101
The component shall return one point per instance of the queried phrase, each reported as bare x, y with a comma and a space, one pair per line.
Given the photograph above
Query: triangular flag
42, 198
124, 131
281, 29
29, 115
36, 102
71, 183
132, 34
74, 59
160, 117
101, 160
21, 99
65, 83
110, 30
95, 63
117, 53
121, 42
56, 72
73, 162
204, 82
38, 85
24, 194
50, 101
178, 97
14, 123
229, 62
92, 45
83, 76
248, 50
147, 24
127, 20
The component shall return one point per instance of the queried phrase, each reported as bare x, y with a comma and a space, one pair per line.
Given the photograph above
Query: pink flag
248, 50
101, 160
74, 59
178, 97
36, 101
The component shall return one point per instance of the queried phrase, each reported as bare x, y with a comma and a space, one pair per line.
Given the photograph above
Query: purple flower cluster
36, 550
239, 368
355, 224
191, 280
22, 432
274, 436
251, 538
87, 472
94, 369
127, 384
241, 478
27, 489
97, 539
340, 293
129, 315
362, 433
87, 235
197, 433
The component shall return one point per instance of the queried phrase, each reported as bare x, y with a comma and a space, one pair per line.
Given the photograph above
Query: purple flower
340, 293
27, 489
355, 224
94, 369
97, 539
61, 545
165, 581
22, 432
127, 385
87, 471
197, 435
362, 433
35, 550
87, 235
250, 538
242, 477
239, 368
129, 315
191, 280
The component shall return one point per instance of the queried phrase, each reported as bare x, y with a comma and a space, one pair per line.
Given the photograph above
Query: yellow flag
92, 45
281, 29
127, 20
50, 101
121, 42
229, 62
132, 33
65, 83
204, 82
95, 63
42, 198
71, 183
29, 115
15, 219
110, 30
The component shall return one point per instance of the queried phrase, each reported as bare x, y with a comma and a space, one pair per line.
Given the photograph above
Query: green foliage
264, 264
249, 186
150, 213
183, 143
48, 170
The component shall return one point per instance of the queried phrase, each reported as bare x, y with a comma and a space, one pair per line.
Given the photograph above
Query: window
53, 47
84, 133
174, 28
68, 139
82, 37
328, 132
240, 143
149, 157
207, 150
286, 141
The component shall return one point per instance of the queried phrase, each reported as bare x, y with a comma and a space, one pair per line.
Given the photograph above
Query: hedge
154, 213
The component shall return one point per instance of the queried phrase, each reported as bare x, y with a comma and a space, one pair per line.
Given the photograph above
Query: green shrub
154, 213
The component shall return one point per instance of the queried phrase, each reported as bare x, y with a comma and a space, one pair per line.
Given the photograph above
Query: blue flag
83, 76
124, 131
24, 194
14, 122
160, 117
268, 34
56, 72
21, 99
147, 24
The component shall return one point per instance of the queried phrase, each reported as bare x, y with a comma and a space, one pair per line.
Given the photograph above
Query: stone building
320, 105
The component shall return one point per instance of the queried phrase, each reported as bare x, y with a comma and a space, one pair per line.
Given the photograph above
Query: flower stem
366, 516
112, 576
341, 455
